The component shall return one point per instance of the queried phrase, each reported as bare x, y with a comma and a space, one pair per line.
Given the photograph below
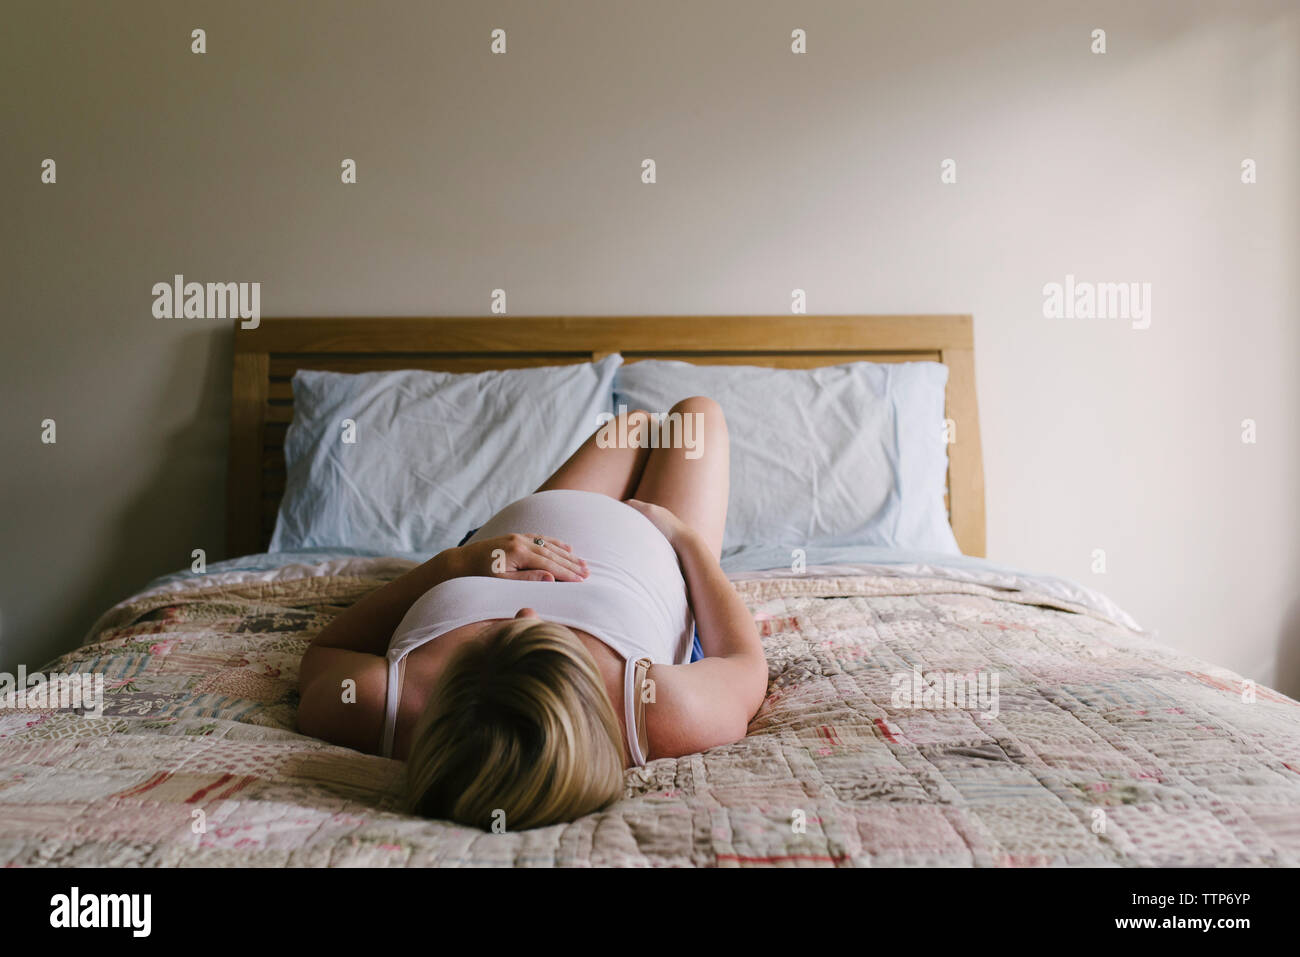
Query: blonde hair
519, 723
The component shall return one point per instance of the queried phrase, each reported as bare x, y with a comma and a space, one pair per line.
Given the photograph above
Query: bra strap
634, 708
642, 668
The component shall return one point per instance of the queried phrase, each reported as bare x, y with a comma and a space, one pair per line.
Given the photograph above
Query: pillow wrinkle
367, 505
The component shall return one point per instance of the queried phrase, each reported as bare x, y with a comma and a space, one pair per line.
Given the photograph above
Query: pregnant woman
519, 674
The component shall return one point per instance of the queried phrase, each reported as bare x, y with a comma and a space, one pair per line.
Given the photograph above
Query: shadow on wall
156, 531
1286, 677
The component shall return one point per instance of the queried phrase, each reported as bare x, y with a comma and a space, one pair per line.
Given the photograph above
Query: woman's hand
672, 527
520, 557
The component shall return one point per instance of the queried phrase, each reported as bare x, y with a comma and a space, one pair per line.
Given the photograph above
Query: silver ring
539, 541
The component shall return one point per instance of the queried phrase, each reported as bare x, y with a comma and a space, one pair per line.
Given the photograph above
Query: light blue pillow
851, 454
434, 455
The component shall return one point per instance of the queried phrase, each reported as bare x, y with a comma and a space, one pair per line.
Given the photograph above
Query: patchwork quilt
911, 719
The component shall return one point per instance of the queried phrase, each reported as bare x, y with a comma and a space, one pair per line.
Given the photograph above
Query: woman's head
518, 724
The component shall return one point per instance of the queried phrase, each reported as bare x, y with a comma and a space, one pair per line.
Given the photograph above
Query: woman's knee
705, 411
699, 423
702, 405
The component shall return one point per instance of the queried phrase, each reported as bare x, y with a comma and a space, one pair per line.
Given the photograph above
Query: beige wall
775, 171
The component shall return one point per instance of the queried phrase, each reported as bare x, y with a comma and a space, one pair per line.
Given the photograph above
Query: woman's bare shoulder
342, 694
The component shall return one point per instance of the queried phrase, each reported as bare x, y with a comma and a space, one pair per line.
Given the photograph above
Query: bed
1103, 747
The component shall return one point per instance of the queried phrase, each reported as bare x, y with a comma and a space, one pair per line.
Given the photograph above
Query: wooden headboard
267, 357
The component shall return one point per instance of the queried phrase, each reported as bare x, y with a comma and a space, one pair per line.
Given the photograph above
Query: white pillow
435, 454
851, 454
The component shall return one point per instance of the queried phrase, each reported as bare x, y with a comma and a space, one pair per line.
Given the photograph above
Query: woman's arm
727, 629
343, 676
368, 625
711, 701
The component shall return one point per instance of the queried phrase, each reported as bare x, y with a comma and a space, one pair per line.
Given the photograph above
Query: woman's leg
692, 483
610, 471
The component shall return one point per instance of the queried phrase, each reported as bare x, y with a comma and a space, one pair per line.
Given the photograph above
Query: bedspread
1080, 742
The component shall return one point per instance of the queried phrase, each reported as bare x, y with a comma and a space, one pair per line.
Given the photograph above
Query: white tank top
633, 599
